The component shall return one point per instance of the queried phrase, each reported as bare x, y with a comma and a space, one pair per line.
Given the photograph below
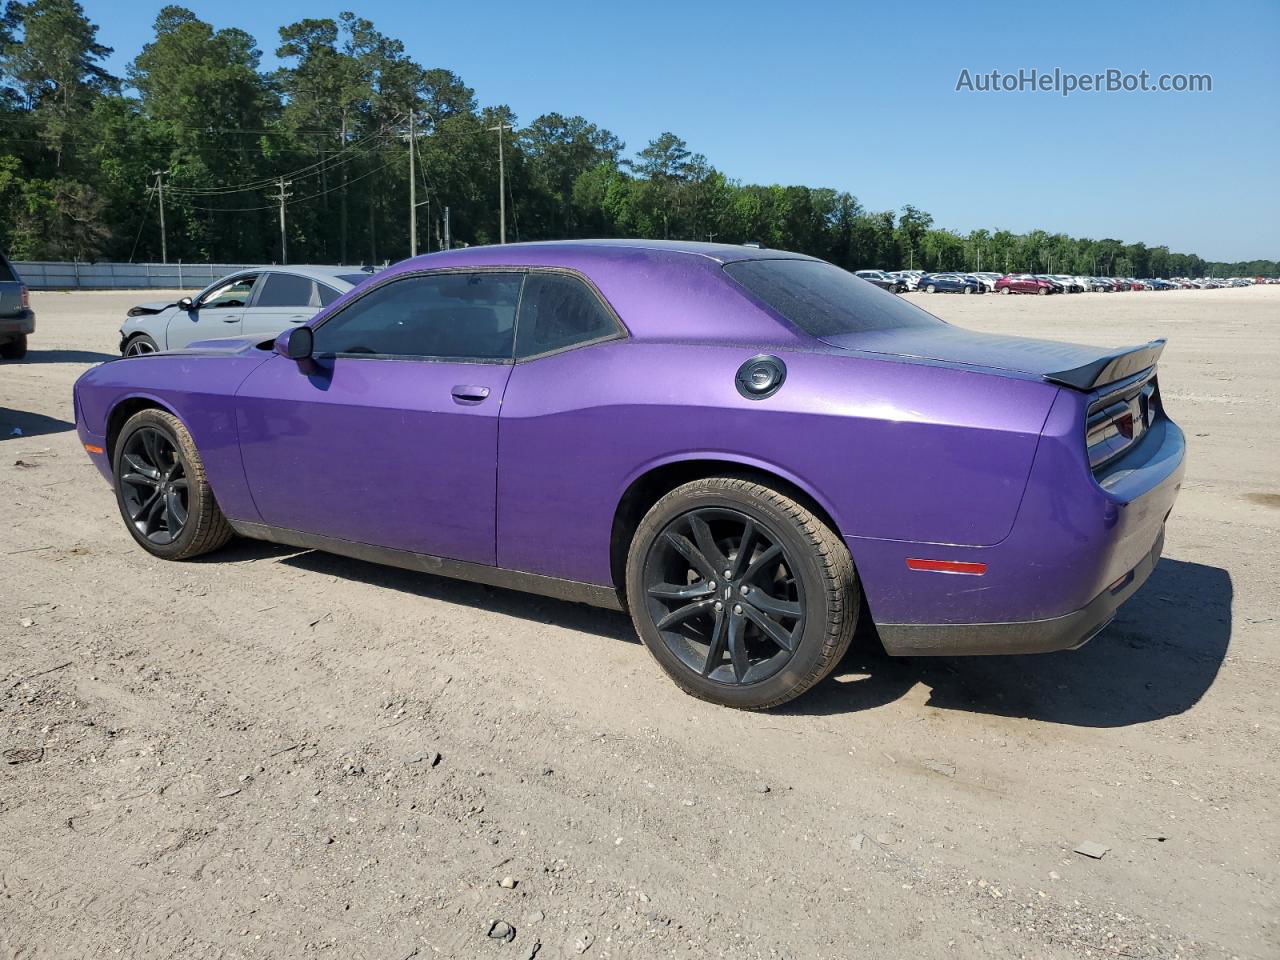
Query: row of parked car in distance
1042, 284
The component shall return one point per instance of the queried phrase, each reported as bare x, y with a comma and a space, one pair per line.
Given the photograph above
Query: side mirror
296, 343
186, 303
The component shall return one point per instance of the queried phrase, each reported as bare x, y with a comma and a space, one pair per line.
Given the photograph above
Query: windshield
823, 300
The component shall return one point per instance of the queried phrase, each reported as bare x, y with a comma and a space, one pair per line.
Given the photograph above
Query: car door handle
230, 319
467, 393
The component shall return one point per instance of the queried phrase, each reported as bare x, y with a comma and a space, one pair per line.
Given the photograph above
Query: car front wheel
931, 289
139, 345
1042, 291
742, 594
161, 488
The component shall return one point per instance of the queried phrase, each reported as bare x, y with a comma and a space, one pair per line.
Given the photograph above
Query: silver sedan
262, 301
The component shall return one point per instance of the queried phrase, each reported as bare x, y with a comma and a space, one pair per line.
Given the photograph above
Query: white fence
64, 275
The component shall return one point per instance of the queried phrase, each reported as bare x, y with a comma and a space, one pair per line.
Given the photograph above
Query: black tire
1042, 291
155, 449
15, 349
966, 289
930, 289
812, 575
139, 345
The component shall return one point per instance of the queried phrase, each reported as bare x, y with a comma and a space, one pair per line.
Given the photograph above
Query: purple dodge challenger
740, 447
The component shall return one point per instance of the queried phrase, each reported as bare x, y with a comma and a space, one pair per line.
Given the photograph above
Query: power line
325, 163
320, 193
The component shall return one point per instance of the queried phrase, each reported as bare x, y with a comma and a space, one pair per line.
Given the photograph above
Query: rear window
354, 278
823, 300
6, 272
285, 290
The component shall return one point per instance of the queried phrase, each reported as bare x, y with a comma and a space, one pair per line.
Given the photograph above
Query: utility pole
164, 241
281, 183
448, 244
711, 237
413, 196
502, 186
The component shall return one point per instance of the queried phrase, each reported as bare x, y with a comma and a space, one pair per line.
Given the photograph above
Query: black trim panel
572, 590
1109, 367
1067, 632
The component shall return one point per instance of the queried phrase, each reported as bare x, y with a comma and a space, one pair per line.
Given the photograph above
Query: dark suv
16, 317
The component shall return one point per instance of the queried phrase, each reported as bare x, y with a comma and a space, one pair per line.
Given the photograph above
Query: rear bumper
1080, 547
17, 325
1067, 632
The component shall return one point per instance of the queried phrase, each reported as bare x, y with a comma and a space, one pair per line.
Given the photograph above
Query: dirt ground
272, 753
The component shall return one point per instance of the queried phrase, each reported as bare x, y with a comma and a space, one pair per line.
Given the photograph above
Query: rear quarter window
823, 300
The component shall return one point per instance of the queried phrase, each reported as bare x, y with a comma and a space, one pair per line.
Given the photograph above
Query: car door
564, 334
389, 434
217, 312
280, 301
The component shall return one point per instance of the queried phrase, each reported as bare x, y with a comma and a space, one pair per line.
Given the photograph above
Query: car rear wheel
742, 594
139, 345
15, 349
161, 488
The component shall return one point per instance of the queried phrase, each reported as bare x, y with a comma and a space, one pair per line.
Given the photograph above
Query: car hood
955, 345
218, 347
151, 306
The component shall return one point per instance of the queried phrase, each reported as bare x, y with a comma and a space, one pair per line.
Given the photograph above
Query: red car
1025, 283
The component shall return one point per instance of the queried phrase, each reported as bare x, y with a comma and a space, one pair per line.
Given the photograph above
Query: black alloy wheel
743, 595
723, 595
154, 488
161, 488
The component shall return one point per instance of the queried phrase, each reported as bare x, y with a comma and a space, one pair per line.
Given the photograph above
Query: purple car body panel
376, 451
917, 443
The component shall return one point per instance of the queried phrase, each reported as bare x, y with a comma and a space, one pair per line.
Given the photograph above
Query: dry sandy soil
280, 754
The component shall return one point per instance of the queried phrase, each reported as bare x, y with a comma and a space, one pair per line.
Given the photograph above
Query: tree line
198, 127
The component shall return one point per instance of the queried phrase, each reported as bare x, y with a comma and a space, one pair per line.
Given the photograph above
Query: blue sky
862, 97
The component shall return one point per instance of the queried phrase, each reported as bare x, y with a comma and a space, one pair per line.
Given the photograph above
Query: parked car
260, 302
17, 320
948, 283
736, 445
910, 278
882, 280
1026, 283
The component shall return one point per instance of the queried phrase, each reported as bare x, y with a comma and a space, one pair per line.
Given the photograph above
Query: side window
233, 294
449, 316
559, 311
327, 294
285, 290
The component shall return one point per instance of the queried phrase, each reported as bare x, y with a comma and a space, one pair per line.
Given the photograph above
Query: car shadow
608, 624
29, 424
1157, 659
67, 356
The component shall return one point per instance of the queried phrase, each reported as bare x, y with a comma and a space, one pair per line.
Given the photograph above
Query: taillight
26, 297
1119, 419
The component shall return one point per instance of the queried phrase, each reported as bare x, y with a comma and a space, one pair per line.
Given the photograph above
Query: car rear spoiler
1109, 367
